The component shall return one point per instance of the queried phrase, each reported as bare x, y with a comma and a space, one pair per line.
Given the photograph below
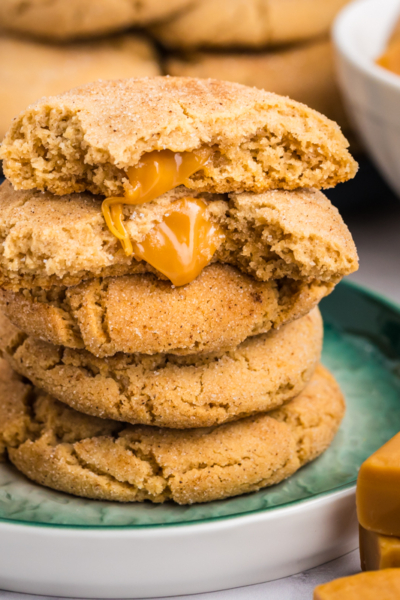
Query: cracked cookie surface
87, 138
140, 313
98, 458
47, 240
169, 391
304, 72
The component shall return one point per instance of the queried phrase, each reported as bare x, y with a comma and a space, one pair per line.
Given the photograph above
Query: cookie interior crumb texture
97, 458
169, 391
87, 138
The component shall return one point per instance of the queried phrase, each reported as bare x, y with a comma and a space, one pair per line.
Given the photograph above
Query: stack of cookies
164, 248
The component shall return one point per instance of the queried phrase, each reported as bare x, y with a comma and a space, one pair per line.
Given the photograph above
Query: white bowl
371, 93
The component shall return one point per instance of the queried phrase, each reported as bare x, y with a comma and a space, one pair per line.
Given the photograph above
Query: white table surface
375, 225
298, 587
376, 231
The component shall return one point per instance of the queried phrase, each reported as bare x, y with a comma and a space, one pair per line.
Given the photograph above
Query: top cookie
250, 23
88, 138
61, 20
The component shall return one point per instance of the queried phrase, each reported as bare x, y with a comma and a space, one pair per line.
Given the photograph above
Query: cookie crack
112, 479
101, 303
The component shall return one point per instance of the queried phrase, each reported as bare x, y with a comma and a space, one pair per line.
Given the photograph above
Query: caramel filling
155, 174
185, 241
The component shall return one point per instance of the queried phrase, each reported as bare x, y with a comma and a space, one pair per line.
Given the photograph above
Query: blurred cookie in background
247, 23
304, 72
67, 20
31, 69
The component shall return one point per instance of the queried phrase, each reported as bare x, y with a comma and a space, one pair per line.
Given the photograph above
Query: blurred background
283, 46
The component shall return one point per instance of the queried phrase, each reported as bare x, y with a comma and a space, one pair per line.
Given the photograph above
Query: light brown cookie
247, 23
71, 19
14, 397
305, 73
169, 391
97, 458
30, 70
46, 240
140, 313
86, 139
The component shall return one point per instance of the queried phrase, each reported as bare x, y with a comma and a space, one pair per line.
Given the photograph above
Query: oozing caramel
156, 173
183, 243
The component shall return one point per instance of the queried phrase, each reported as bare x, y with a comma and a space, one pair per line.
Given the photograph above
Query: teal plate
361, 348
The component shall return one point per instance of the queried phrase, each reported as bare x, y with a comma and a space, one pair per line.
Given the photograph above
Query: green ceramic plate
362, 349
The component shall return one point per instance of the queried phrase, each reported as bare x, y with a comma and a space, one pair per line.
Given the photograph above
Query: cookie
14, 395
66, 20
247, 23
140, 313
107, 460
305, 73
30, 69
169, 391
87, 138
47, 240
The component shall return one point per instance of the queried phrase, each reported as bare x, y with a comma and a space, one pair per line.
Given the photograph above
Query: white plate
173, 560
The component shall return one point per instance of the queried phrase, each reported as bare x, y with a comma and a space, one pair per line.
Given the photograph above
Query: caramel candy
378, 490
373, 585
378, 551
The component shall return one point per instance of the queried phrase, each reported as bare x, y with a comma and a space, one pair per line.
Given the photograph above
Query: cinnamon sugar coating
140, 313
304, 72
